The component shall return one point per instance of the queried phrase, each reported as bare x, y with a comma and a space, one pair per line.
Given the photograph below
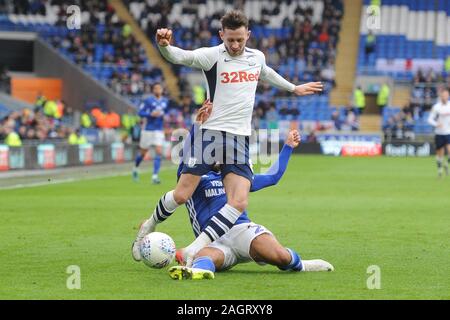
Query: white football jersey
440, 116
231, 83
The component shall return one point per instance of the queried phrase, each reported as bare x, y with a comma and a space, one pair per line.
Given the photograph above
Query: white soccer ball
157, 250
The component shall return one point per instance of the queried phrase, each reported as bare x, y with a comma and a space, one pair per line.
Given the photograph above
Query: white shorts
235, 244
151, 138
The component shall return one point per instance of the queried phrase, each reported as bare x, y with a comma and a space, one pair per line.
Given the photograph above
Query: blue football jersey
148, 106
207, 200
209, 196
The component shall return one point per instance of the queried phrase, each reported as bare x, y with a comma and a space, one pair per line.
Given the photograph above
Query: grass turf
389, 212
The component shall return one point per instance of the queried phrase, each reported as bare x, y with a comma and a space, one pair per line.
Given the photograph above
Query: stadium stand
103, 47
411, 34
411, 44
298, 37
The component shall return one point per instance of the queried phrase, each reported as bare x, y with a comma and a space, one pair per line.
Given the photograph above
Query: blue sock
138, 160
204, 263
156, 164
296, 262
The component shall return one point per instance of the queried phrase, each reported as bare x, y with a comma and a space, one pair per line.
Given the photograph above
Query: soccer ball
157, 250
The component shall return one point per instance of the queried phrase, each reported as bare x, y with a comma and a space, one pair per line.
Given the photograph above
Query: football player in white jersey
440, 119
232, 72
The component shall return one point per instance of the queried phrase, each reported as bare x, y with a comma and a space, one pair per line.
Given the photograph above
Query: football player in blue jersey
244, 240
152, 110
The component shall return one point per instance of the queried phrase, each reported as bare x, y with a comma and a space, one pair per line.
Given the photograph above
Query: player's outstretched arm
203, 58
276, 171
269, 75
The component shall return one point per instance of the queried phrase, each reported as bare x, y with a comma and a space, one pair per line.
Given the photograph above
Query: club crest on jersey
251, 62
192, 162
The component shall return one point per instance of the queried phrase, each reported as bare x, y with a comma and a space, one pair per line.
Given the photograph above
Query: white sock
199, 243
169, 201
222, 222
190, 251
166, 206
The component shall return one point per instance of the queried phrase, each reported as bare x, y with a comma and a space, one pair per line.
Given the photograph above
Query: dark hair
234, 20
156, 84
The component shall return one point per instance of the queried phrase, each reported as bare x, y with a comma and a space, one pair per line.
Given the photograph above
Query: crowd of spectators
25, 6
400, 126
424, 94
425, 88
305, 52
106, 45
349, 121
50, 119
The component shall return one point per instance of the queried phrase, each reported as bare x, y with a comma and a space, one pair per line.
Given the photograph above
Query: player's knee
239, 204
180, 197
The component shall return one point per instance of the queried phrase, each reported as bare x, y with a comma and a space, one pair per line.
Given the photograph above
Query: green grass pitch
389, 212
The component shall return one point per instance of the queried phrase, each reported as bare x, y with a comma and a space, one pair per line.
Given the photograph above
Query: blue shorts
441, 140
211, 147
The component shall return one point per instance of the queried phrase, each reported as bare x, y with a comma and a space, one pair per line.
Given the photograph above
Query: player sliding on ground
245, 241
232, 72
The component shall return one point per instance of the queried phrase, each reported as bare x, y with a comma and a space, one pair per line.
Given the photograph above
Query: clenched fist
204, 112
163, 37
293, 139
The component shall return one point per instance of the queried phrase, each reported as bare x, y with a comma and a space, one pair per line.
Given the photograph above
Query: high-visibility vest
82, 140
447, 64
370, 39
375, 2
199, 94
126, 30
40, 101
73, 139
13, 140
360, 99
383, 95
112, 120
50, 108
128, 121
86, 121
115, 119
59, 110
100, 118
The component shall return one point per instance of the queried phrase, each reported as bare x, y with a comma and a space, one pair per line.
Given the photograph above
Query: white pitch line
59, 181
39, 184
68, 180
